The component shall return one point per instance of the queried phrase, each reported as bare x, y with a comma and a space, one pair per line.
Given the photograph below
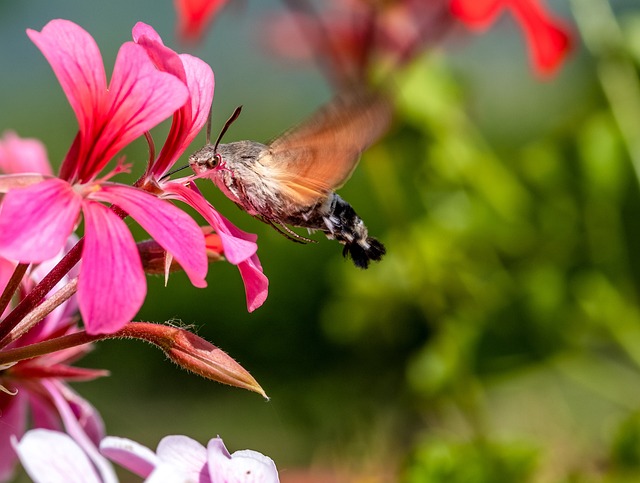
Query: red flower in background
194, 16
547, 36
348, 38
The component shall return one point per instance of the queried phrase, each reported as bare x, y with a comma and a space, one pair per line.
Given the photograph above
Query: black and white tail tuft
362, 253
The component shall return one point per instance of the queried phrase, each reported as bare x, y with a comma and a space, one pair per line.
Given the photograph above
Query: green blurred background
498, 341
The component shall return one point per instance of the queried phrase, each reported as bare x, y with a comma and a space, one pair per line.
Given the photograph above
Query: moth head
205, 159
208, 158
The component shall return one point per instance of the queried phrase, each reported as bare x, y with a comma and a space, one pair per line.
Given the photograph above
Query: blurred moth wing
318, 156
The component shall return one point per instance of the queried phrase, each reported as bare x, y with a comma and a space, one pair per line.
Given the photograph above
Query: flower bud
194, 354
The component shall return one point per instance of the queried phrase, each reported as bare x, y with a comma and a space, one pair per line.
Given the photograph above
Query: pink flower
35, 221
548, 36
55, 457
180, 458
34, 387
239, 247
194, 16
18, 155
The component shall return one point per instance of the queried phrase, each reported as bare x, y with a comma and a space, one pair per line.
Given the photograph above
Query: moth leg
292, 235
287, 233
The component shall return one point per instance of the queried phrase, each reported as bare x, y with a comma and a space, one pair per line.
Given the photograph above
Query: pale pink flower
53, 457
185, 457
35, 221
239, 247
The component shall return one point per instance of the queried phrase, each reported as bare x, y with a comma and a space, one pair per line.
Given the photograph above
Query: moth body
240, 173
291, 181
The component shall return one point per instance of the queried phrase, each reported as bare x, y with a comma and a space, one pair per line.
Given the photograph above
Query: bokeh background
498, 341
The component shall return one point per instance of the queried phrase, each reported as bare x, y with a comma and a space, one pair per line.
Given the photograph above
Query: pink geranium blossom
35, 221
239, 247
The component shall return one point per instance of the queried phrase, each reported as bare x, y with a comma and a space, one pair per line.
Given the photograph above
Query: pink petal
139, 98
194, 16
141, 29
238, 245
184, 454
73, 427
198, 77
164, 59
138, 459
22, 155
13, 420
52, 457
112, 285
76, 61
165, 473
256, 284
36, 221
43, 413
188, 122
13, 181
244, 466
171, 227
201, 84
85, 413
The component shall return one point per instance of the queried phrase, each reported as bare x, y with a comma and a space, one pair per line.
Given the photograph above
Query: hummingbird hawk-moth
292, 180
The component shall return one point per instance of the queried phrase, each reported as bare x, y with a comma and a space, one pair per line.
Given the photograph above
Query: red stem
33, 298
12, 285
154, 333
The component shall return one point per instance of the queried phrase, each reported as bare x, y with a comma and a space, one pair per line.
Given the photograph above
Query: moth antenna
209, 127
230, 121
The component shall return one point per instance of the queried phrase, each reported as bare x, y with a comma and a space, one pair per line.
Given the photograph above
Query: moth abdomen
343, 224
363, 253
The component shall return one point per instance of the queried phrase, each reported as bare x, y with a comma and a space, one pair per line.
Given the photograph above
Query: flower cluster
55, 457
149, 83
59, 292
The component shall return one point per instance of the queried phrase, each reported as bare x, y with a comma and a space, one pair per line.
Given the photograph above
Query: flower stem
12, 285
41, 311
49, 346
33, 298
181, 346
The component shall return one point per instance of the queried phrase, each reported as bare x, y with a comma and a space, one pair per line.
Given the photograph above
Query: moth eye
216, 161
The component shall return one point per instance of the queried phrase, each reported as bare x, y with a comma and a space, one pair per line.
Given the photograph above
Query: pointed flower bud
194, 354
